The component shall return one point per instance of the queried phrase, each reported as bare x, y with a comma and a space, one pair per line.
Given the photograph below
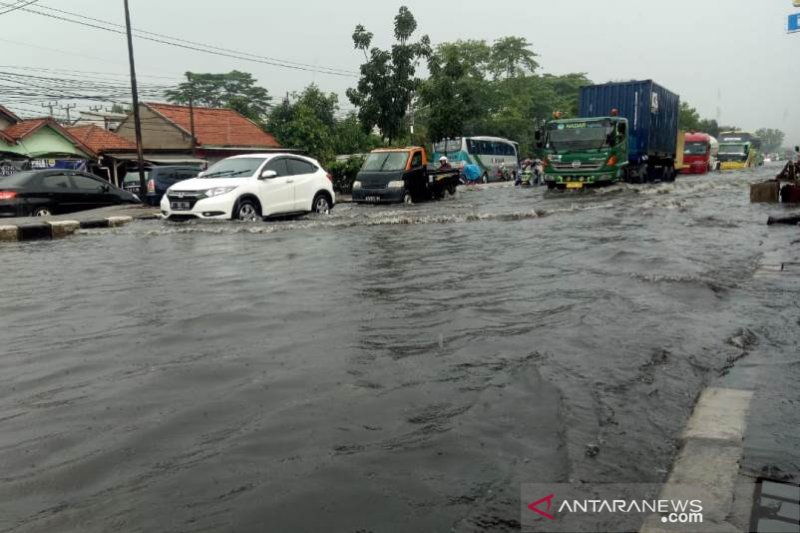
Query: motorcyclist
444, 163
538, 172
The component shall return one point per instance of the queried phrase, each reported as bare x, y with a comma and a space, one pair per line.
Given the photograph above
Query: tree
350, 138
512, 57
471, 91
387, 84
308, 123
455, 92
688, 118
771, 139
234, 90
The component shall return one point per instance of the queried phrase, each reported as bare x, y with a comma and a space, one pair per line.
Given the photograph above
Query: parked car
252, 187
55, 192
158, 180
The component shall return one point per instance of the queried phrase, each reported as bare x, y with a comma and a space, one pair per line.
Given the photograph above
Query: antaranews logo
610, 507
549, 501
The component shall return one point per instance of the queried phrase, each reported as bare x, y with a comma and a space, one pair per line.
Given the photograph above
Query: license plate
181, 206
574, 185
372, 198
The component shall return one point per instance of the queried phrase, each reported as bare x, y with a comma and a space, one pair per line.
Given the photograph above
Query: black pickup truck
402, 175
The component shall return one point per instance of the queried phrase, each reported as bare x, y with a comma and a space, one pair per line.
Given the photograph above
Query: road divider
57, 229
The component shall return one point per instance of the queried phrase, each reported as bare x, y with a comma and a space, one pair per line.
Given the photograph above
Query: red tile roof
22, 129
217, 127
99, 139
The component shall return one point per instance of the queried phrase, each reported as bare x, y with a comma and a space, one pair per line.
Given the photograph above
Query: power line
19, 5
180, 43
195, 43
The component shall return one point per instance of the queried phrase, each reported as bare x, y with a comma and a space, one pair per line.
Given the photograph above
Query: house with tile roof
218, 133
38, 138
39, 143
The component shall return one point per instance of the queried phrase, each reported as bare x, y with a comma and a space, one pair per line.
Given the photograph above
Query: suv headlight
356, 185
397, 184
218, 191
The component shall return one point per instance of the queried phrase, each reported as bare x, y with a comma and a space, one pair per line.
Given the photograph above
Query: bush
344, 173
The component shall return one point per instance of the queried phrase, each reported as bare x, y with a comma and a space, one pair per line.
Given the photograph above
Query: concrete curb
708, 464
57, 229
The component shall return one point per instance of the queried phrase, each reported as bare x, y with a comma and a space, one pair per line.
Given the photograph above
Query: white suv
252, 187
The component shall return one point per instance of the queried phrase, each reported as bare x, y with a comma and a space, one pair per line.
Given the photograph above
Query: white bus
491, 155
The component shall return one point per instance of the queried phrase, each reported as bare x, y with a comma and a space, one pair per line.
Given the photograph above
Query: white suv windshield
235, 168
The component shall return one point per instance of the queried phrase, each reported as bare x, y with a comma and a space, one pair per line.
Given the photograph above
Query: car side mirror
200, 175
268, 174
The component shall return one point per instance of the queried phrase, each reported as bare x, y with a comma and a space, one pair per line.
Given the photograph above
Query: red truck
700, 153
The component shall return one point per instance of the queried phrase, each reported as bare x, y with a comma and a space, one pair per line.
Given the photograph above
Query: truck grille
584, 167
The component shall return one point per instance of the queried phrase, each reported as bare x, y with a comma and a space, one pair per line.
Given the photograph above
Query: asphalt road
389, 368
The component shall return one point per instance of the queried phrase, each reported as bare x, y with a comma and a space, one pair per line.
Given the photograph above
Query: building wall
157, 133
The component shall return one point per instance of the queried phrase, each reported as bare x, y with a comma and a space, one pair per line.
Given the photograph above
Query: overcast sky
731, 59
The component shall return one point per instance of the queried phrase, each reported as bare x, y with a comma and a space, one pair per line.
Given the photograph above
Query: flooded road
389, 368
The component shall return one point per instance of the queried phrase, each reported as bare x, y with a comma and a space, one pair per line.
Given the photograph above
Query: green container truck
626, 132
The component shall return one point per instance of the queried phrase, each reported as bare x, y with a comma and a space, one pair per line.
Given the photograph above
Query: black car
55, 192
158, 180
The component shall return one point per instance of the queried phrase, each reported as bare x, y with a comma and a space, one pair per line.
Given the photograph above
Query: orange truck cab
395, 175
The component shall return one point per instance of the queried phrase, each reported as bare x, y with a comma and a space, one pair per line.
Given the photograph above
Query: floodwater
388, 369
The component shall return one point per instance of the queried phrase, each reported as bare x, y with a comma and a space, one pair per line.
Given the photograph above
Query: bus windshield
733, 149
696, 148
448, 146
385, 161
579, 135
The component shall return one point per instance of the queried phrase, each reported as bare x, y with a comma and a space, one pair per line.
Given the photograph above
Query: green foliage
512, 57
479, 89
350, 137
308, 122
344, 173
455, 92
688, 118
234, 90
772, 139
388, 77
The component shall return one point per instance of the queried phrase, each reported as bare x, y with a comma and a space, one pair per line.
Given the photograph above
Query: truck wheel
407, 199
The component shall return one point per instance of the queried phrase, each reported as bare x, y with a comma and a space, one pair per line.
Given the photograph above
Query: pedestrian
791, 172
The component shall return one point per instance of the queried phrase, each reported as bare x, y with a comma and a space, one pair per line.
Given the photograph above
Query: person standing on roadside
791, 172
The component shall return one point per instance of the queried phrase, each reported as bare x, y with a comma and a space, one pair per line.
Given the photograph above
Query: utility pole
137, 122
50, 105
191, 115
67, 108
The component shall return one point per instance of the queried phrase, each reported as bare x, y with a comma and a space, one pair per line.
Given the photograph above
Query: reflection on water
385, 368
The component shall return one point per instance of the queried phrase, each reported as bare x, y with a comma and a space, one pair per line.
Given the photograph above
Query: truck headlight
356, 185
397, 184
218, 191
